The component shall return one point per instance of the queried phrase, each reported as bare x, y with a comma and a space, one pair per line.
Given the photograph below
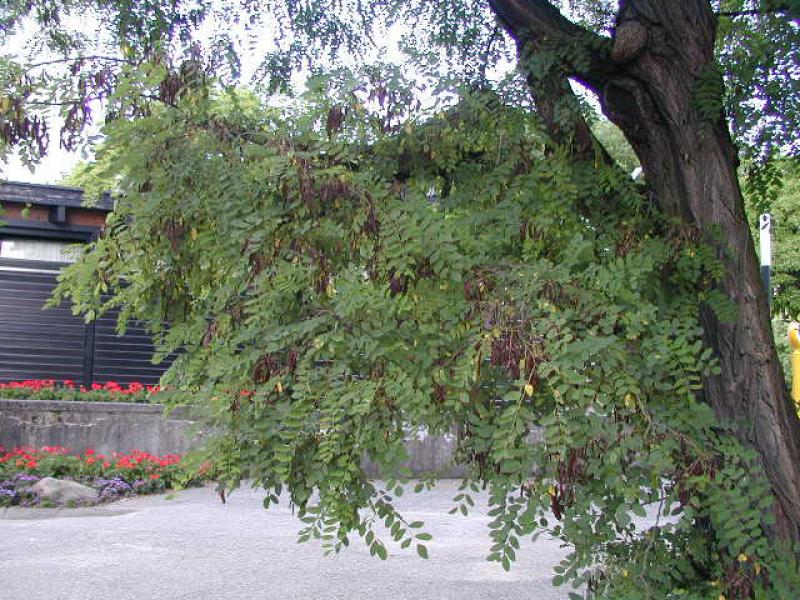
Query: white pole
765, 238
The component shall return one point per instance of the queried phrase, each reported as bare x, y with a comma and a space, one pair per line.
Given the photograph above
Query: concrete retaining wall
105, 426
119, 427
427, 455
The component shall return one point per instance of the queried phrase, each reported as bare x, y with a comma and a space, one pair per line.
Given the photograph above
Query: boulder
61, 491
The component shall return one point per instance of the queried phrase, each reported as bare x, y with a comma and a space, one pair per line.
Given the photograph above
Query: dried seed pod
398, 284
264, 368
208, 336
371, 224
335, 119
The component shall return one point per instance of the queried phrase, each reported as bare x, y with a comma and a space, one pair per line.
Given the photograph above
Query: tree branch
537, 22
74, 59
755, 12
533, 23
538, 17
744, 13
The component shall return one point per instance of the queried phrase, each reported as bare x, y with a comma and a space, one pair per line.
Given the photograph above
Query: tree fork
645, 82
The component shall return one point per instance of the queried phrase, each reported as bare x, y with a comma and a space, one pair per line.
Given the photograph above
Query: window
38, 250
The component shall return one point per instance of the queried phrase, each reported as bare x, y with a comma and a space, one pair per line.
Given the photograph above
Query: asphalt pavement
191, 546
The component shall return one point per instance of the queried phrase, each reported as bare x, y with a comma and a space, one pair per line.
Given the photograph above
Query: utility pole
765, 230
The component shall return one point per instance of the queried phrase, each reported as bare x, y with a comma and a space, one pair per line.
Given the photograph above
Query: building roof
51, 195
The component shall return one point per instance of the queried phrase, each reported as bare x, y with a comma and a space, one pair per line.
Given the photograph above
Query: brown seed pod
335, 119
264, 368
371, 224
175, 232
291, 359
398, 284
208, 336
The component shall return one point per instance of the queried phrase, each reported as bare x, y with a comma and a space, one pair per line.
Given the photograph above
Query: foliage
760, 58
328, 306
96, 176
615, 143
780, 328
783, 203
781, 179
326, 303
186, 42
49, 389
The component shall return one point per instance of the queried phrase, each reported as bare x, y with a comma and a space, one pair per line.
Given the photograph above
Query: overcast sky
56, 165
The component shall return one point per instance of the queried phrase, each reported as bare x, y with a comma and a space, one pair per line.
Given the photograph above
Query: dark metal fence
55, 344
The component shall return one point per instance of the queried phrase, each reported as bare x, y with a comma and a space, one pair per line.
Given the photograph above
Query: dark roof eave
51, 195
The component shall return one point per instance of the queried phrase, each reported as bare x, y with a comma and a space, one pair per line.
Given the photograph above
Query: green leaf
621, 516
381, 551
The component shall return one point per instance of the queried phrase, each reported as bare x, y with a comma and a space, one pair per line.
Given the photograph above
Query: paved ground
194, 547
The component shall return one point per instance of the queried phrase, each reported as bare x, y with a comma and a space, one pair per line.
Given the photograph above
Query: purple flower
8, 493
112, 489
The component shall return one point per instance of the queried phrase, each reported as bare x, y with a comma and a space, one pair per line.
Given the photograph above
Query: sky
55, 166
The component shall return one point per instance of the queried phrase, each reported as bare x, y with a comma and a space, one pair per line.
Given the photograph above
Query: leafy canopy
325, 305
78, 52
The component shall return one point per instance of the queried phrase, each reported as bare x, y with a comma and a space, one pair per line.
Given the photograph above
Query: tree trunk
646, 78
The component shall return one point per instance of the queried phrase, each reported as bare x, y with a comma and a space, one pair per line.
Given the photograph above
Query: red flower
112, 386
144, 464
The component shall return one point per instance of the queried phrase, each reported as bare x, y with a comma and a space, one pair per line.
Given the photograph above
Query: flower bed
114, 476
50, 389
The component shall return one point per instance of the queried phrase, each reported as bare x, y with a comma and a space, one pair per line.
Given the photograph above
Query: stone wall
105, 426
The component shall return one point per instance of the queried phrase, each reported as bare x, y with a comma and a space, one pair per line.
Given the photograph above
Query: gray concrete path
193, 547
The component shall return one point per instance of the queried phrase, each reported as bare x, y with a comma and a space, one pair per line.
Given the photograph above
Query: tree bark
645, 78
